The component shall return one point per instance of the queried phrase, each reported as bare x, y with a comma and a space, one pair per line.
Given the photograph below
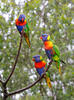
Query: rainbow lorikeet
52, 51
40, 68
22, 25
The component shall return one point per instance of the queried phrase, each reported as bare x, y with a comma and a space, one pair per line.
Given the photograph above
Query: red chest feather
40, 64
17, 22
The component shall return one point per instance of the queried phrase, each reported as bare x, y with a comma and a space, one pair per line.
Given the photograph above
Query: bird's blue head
21, 18
45, 37
37, 58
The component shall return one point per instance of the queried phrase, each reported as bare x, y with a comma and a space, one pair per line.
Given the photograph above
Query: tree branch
31, 85
13, 68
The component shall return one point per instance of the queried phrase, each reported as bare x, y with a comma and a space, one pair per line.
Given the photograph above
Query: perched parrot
52, 51
40, 68
22, 25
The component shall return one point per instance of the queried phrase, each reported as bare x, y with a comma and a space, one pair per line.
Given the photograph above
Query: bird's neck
48, 45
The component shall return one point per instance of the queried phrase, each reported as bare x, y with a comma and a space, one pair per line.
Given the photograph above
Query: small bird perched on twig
22, 26
40, 68
52, 50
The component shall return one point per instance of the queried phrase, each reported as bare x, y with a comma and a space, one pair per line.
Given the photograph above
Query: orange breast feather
48, 45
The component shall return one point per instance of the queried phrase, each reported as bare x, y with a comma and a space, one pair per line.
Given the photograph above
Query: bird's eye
44, 35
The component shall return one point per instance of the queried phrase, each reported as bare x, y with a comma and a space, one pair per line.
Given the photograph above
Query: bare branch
31, 85
13, 68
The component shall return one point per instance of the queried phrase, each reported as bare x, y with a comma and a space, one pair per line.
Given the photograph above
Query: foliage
53, 17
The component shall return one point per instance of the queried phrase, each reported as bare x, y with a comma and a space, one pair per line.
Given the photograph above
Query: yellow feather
50, 44
48, 82
27, 39
48, 38
56, 58
40, 57
25, 20
60, 70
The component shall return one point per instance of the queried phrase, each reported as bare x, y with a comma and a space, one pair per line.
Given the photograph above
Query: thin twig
13, 68
31, 85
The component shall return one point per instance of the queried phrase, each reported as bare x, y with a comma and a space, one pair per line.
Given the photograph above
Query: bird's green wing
27, 29
56, 49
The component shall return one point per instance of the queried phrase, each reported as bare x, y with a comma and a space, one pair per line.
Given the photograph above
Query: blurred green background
54, 17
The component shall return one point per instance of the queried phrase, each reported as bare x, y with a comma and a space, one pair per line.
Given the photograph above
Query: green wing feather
56, 57
26, 35
27, 29
56, 49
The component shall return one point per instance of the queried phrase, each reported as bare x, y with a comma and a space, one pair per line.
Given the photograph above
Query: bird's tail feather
60, 70
27, 40
48, 82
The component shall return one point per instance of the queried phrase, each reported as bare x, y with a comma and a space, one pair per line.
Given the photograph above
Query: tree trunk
4, 92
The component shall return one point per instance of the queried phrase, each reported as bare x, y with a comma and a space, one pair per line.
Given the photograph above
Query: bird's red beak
41, 37
22, 19
33, 59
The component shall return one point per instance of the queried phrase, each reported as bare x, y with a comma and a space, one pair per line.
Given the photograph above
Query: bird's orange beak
33, 59
22, 19
41, 37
